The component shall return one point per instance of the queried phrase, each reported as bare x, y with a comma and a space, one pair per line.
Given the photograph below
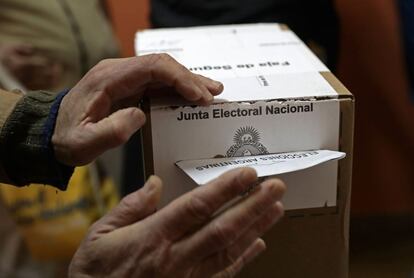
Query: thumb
117, 128
134, 207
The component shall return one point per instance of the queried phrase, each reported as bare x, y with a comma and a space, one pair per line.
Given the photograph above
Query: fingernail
219, 86
248, 180
258, 248
281, 207
272, 187
278, 210
249, 175
150, 185
275, 187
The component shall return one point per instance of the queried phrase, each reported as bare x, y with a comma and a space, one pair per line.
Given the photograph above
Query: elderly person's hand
190, 237
31, 68
101, 112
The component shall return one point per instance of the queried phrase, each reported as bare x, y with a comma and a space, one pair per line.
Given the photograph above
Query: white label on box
240, 49
256, 56
269, 87
188, 133
264, 87
204, 170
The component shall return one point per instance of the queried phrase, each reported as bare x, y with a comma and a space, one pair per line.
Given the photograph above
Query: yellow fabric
54, 222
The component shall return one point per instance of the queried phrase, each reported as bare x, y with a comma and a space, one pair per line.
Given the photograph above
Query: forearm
26, 155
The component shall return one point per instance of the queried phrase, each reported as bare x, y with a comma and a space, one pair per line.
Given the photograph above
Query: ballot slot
201, 171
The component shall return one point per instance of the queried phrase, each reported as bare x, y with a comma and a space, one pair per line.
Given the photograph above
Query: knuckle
153, 59
119, 133
165, 57
222, 235
229, 258
258, 209
150, 59
128, 204
152, 62
103, 63
100, 71
199, 208
91, 230
120, 136
281, 186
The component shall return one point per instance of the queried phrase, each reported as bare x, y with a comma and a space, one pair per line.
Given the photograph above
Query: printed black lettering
200, 115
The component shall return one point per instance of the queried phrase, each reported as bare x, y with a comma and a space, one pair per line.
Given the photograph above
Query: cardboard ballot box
278, 98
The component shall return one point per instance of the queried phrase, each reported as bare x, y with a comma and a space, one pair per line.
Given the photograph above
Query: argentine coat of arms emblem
246, 143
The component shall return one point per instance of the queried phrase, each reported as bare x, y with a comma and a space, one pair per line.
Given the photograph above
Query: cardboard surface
284, 110
313, 243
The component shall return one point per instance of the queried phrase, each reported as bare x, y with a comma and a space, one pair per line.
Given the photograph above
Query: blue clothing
407, 20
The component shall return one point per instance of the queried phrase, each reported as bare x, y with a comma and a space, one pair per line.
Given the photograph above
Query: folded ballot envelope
283, 113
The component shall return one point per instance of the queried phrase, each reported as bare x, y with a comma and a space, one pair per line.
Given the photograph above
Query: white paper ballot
204, 170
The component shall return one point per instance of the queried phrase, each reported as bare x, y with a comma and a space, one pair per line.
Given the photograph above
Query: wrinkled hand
100, 112
187, 238
31, 68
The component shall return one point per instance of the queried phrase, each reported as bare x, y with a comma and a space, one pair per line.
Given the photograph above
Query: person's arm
48, 134
192, 236
25, 142
189, 237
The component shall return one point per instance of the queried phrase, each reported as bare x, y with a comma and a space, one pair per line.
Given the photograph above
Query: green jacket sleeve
26, 153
